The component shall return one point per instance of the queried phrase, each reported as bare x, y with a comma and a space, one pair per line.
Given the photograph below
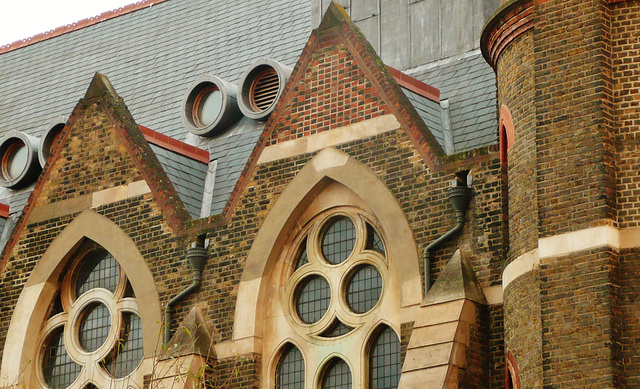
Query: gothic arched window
335, 299
93, 334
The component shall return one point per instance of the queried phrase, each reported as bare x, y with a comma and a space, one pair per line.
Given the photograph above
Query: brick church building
313, 194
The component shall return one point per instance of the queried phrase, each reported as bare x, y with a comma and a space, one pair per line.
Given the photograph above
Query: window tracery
334, 301
93, 334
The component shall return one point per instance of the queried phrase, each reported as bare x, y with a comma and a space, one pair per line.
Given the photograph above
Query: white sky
21, 19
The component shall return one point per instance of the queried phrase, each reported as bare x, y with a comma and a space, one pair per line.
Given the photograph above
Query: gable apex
334, 16
99, 85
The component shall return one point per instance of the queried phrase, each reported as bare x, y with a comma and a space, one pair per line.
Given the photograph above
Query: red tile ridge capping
4, 210
175, 145
78, 25
414, 85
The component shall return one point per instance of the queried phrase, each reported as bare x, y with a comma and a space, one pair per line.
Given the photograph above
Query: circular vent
48, 138
210, 106
261, 87
264, 90
19, 160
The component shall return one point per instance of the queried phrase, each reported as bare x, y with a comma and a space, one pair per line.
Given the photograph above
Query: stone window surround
285, 328
21, 349
328, 166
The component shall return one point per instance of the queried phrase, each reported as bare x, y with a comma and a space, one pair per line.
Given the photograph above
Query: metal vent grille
264, 90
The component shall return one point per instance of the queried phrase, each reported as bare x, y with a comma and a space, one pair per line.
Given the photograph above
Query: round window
207, 106
364, 289
338, 240
312, 299
14, 161
94, 327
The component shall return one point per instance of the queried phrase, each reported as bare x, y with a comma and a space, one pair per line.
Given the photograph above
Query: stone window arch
88, 315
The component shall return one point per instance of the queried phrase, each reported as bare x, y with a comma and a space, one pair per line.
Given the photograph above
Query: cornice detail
511, 20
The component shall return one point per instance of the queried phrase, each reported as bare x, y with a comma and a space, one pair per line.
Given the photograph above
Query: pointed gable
338, 81
100, 156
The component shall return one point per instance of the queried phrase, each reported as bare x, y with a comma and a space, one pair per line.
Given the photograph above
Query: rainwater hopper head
261, 86
460, 192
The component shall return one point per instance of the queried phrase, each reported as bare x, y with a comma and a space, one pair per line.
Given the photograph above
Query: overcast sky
21, 19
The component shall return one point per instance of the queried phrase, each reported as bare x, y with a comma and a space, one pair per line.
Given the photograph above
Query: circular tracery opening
364, 289
338, 240
58, 369
313, 299
96, 325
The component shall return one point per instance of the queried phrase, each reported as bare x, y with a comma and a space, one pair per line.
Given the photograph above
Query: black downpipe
197, 257
460, 197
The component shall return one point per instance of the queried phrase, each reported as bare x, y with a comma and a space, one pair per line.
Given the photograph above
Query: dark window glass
99, 270
303, 259
338, 240
337, 328
90, 386
384, 361
56, 306
94, 326
312, 299
364, 289
128, 353
374, 242
128, 290
290, 370
59, 370
337, 375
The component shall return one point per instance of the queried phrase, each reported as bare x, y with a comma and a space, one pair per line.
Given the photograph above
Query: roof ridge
86, 22
175, 145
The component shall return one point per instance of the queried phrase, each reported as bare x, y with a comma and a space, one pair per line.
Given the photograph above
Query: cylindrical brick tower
567, 74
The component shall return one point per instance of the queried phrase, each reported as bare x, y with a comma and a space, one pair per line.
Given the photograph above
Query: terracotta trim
507, 23
78, 25
506, 131
175, 145
414, 85
4, 210
511, 371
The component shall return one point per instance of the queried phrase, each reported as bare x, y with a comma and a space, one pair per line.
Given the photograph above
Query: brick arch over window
328, 167
506, 131
40, 288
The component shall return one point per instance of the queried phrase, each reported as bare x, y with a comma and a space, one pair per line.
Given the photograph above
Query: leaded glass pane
312, 299
364, 289
99, 270
58, 369
94, 326
337, 328
303, 259
338, 240
384, 361
337, 375
290, 370
128, 353
374, 242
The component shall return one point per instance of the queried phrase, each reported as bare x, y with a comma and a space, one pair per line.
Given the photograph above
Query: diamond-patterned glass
59, 369
337, 328
94, 327
364, 289
312, 299
303, 259
290, 370
384, 361
337, 376
338, 240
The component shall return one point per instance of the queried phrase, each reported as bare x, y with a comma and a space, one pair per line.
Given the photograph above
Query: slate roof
469, 84
153, 54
